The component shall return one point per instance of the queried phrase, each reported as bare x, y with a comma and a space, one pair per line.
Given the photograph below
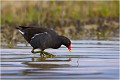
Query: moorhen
43, 38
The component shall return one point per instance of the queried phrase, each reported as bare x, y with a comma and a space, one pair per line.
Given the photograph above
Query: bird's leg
32, 50
42, 53
47, 54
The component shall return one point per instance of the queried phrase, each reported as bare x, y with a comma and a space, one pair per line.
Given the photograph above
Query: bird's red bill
69, 47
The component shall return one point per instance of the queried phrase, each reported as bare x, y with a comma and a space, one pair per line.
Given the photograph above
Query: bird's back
29, 32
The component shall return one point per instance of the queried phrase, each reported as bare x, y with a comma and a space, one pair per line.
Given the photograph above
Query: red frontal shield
69, 47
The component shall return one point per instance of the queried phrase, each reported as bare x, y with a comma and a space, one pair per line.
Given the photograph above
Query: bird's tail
22, 27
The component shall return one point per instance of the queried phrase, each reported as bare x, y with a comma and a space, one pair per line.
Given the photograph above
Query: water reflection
41, 64
90, 60
46, 65
47, 59
47, 62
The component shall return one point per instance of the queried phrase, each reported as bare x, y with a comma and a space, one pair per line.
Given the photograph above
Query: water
89, 59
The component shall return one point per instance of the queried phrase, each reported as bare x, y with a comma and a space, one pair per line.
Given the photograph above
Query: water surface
89, 59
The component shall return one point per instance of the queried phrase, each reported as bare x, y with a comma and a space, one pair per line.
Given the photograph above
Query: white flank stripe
38, 34
21, 32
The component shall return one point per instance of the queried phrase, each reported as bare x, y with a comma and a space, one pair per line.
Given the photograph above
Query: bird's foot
43, 53
46, 54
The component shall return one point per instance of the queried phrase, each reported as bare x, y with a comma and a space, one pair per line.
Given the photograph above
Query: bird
43, 38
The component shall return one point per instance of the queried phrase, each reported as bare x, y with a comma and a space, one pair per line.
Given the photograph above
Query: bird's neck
61, 39
57, 42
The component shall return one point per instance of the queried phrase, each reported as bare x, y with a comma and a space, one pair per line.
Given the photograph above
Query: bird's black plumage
43, 38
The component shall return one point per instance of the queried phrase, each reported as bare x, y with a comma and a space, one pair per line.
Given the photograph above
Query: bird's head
66, 42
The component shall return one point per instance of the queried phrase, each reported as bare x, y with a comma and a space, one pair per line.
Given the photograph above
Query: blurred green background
74, 19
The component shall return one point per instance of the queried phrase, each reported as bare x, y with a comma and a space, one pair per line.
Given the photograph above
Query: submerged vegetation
75, 19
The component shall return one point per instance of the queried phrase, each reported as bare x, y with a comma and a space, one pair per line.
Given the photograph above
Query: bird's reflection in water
48, 59
41, 68
45, 63
38, 59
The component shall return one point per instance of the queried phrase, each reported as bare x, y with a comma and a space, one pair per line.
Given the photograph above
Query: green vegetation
75, 19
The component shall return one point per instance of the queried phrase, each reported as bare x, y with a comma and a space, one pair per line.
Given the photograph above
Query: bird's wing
40, 40
22, 27
29, 32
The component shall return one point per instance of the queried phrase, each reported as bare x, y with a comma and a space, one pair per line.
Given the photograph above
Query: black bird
42, 38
